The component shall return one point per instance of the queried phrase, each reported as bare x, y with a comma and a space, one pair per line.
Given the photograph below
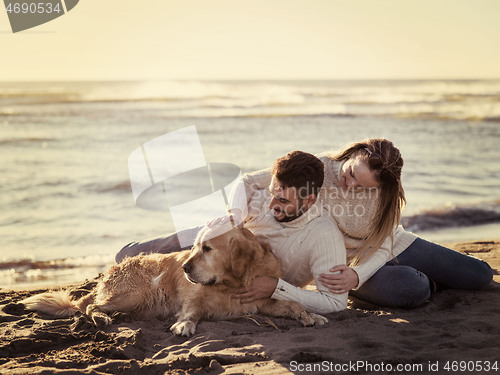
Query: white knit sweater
352, 212
307, 246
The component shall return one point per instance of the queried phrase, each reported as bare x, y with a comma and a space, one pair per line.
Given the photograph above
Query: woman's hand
342, 282
261, 287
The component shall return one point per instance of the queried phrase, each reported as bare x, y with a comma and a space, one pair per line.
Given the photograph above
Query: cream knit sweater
307, 246
352, 212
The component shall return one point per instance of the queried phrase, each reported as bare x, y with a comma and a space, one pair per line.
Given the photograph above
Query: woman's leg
166, 244
446, 267
395, 286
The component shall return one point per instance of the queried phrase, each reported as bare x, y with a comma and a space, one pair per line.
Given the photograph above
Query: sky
258, 39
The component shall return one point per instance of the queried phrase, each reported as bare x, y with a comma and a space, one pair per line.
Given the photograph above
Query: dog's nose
187, 267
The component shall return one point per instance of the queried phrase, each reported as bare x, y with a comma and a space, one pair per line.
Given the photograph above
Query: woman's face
355, 174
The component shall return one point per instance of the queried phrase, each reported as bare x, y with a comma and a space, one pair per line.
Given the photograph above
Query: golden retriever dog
191, 285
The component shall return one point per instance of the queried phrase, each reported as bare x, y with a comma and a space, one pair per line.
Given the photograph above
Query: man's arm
327, 248
247, 191
250, 183
258, 180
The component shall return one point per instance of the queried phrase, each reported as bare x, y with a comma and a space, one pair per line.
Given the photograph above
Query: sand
456, 328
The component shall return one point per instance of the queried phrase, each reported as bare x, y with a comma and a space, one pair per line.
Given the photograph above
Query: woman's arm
368, 268
343, 278
346, 281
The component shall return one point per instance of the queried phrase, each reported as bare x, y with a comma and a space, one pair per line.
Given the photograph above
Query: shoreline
32, 274
462, 234
454, 325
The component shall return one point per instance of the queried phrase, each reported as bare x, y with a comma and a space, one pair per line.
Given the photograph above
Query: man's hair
300, 170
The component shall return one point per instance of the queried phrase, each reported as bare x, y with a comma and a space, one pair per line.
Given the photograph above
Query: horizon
250, 80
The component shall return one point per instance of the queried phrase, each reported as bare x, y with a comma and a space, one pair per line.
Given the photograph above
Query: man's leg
165, 244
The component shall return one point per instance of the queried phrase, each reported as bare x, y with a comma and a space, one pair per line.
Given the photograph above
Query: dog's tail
58, 303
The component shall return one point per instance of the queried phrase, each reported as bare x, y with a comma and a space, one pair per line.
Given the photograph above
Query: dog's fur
192, 285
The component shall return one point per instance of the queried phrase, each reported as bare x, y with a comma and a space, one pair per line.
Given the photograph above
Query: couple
362, 191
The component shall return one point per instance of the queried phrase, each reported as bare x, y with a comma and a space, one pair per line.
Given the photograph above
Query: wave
27, 140
121, 187
492, 119
247, 101
453, 217
264, 115
475, 100
86, 261
30, 273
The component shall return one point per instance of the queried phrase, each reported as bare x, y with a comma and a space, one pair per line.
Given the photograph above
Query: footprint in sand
303, 338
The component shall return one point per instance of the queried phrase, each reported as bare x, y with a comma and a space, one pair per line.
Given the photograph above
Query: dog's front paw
100, 319
184, 328
311, 319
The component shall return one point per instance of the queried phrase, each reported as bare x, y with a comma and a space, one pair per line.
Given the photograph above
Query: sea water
66, 200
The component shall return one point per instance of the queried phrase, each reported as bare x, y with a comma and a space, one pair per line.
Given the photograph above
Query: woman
387, 265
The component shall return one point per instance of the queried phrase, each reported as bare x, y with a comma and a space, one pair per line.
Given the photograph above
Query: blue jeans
406, 281
167, 244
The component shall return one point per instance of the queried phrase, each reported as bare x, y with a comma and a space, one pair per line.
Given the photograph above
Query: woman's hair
385, 160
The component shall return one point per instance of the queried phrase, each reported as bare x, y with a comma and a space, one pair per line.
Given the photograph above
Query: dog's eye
206, 248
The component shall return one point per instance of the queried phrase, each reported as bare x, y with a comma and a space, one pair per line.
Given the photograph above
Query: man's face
286, 203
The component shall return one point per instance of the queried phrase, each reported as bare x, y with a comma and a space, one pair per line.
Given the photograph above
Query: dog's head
223, 259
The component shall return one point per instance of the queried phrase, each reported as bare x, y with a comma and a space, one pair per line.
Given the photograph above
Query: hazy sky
248, 39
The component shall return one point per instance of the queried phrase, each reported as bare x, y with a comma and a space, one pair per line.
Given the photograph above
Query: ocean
66, 201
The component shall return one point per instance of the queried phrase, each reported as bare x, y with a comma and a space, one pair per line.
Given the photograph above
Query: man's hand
342, 282
233, 215
261, 287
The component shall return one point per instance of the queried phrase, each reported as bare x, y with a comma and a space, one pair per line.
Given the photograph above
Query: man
289, 217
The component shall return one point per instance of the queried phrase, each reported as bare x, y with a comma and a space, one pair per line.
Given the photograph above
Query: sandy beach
455, 329
123, 122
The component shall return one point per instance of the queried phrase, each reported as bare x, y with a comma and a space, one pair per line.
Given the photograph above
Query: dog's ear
242, 254
266, 247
